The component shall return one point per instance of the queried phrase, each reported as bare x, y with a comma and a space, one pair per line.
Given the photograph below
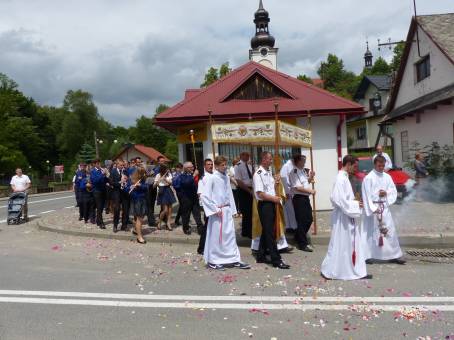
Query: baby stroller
16, 204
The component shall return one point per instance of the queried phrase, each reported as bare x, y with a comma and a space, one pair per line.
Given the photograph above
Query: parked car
401, 179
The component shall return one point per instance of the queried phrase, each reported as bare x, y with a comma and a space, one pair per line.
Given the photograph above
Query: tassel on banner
354, 257
380, 241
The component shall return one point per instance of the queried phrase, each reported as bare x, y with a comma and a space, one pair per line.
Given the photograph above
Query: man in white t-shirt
21, 183
380, 152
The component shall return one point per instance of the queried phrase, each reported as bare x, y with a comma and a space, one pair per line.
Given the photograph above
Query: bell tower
262, 44
368, 57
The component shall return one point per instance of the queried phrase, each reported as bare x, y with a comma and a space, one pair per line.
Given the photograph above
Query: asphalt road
63, 287
39, 205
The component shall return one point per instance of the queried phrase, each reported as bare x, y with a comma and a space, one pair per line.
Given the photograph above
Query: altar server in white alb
289, 212
221, 250
379, 193
345, 259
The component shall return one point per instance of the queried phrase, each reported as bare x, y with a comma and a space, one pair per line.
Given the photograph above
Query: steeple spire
368, 57
262, 35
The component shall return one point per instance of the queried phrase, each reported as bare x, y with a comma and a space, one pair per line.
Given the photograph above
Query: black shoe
199, 252
281, 265
92, 222
115, 228
144, 241
122, 227
398, 261
367, 277
220, 267
187, 231
177, 223
369, 261
102, 226
289, 249
80, 218
307, 248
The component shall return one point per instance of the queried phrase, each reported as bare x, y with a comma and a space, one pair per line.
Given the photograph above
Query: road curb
425, 241
126, 237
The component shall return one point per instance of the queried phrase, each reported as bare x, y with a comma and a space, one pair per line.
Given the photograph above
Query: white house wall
441, 71
435, 126
324, 141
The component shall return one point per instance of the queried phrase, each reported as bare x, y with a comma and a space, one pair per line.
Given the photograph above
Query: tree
161, 108
87, 153
305, 78
381, 67
210, 77
146, 133
336, 78
398, 52
224, 70
81, 104
171, 150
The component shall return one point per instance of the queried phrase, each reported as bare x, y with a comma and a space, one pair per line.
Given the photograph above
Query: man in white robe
289, 212
345, 258
380, 236
221, 249
208, 171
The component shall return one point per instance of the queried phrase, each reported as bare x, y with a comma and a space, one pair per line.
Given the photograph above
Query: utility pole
96, 145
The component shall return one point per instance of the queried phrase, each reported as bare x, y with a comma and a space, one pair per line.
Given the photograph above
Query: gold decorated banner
261, 132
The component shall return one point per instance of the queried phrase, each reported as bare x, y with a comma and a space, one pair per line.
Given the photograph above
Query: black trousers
303, 215
78, 194
237, 202
203, 237
151, 201
267, 214
115, 197
125, 201
190, 204
178, 215
100, 201
108, 199
245, 199
87, 204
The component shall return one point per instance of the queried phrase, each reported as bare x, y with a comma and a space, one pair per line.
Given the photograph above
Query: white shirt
231, 174
298, 178
388, 164
20, 183
263, 182
242, 174
163, 181
202, 182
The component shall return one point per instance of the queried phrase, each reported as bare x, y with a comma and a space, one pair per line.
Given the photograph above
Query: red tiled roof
149, 152
304, 98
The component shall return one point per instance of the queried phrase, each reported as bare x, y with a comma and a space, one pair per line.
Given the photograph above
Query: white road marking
242, 298
2, 221
69, 207
46, 200
46, 212
240, 306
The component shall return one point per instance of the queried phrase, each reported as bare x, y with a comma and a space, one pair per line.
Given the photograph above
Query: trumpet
89, 186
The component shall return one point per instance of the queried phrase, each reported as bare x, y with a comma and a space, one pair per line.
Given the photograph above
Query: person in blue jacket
137, 189
98, 180
86, 196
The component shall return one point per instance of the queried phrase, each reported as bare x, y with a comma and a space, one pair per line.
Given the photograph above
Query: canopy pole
277, 162
191, 133
314, 210
211, 131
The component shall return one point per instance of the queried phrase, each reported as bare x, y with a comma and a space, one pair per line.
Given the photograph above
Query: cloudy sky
134, 54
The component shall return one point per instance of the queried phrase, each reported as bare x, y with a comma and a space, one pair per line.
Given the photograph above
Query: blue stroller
16, 208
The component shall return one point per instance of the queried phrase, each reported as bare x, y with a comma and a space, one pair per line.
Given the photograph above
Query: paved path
55, 286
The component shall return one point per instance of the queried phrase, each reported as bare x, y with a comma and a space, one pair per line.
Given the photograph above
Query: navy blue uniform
189, 200
99, 180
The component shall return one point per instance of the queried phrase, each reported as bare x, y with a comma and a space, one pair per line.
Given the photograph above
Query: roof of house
381, 82
298, 98
440, 29
443, 95
148, 151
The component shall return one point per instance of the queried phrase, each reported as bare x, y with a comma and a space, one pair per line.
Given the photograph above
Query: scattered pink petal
56, 248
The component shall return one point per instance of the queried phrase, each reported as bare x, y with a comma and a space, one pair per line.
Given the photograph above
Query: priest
221, 250
380, 236
345, 258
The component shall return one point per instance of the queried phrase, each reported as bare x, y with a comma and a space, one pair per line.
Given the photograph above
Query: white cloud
133, 55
